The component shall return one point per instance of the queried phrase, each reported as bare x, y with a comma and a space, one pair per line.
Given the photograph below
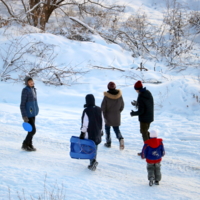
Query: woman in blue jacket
29, 110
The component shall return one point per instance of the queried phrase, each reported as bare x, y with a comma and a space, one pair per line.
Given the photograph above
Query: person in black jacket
145, 105
92, 125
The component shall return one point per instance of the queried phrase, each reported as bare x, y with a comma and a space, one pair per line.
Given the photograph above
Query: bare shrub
3, 22
177, 42
55, 193
194, 21
36, 59
137, 34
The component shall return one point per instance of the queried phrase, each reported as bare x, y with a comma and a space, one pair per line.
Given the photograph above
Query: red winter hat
111, 86
138, 85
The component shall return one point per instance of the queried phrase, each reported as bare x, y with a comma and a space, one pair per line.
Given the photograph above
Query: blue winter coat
153, 150
29, 106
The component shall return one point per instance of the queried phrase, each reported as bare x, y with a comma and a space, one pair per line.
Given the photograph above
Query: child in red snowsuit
153, 151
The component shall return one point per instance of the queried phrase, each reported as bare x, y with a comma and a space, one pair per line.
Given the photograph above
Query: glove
82, 135
25, 119
134, 103
132, 113
101, 133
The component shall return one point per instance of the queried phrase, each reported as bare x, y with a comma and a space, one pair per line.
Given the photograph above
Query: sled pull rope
83, 149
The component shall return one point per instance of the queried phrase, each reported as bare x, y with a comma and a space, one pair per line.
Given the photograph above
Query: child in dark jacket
153, 151
92, 125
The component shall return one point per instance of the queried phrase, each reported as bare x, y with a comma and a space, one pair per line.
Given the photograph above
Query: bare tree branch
83, 24
8, 8
109, 68
23, 5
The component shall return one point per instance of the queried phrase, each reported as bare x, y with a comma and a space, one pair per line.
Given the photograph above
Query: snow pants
154, 171
94, 159
144, 127
29, 137
117, 132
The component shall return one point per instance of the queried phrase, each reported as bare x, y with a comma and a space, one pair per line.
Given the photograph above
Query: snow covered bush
38, 12
194, 21
3, 22
176, 44
55, 193
36, 59
137, 34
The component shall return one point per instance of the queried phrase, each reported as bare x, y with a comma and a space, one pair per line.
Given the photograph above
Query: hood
114, 92
113, 96
90, 100
154, 142
27, 78
145, 93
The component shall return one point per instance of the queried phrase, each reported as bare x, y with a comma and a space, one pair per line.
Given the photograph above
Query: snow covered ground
120, 174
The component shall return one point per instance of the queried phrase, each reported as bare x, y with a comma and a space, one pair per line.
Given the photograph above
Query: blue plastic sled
27, 127
82, 149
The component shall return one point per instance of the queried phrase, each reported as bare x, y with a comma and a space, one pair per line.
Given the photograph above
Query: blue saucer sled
82, 149
27, 127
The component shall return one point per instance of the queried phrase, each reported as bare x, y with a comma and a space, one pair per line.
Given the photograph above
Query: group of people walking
96, 119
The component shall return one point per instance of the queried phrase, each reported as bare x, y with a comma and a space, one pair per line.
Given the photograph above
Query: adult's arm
24, 97
103, 122
122, 105
103, 106
141, 108
85, 123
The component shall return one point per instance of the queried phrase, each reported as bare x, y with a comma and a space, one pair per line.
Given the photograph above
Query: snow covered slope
120, 174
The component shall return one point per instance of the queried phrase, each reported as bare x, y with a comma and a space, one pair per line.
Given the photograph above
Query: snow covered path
120, 174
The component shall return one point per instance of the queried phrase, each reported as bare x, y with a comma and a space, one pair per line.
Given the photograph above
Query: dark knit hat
111, 86
138, 85
27, 79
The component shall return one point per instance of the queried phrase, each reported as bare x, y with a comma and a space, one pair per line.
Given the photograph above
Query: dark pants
154, 171
117, 132
94, 159
144, 127
29, 137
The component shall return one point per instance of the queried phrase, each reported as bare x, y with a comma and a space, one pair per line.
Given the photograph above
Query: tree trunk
35, 13
45, 15
41, 14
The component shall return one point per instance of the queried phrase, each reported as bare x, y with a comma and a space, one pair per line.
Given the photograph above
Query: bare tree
38, 12
138, 35
176, 43
17, 63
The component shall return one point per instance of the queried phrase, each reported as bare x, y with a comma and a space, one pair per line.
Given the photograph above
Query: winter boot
32, 147
121, 144
156, 182
151, 181
108, 145
93, 165
26, 147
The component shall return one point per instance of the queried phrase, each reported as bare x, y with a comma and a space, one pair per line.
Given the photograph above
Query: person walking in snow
29, 110
112, 106
153, 150
92, 125
145, 106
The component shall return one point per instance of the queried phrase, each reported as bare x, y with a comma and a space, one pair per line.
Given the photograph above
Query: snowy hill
120, 174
